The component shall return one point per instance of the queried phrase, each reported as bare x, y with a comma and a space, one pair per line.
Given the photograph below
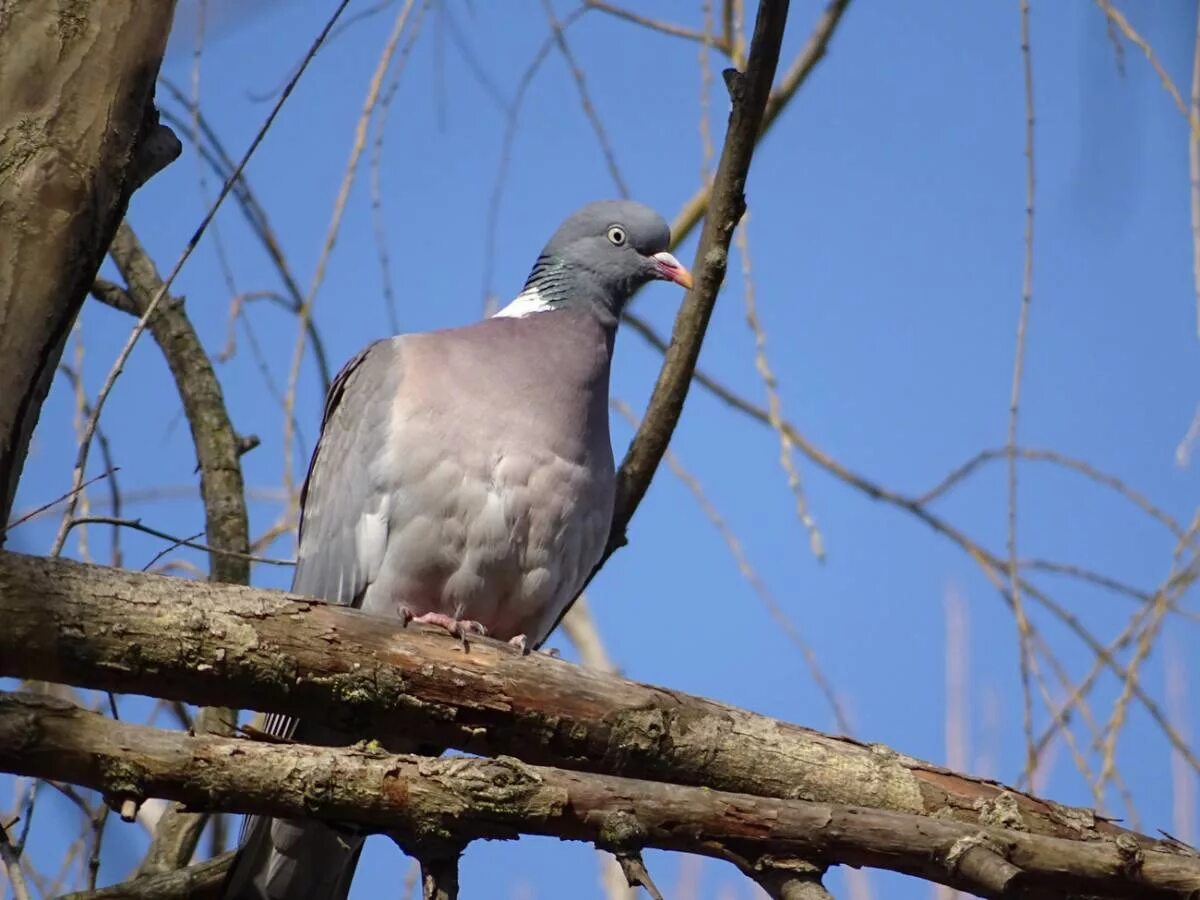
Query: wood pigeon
464, 478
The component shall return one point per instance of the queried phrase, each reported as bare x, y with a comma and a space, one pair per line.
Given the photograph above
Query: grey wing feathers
342, 535
342, 539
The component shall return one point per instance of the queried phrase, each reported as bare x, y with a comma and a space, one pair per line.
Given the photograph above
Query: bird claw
459, 628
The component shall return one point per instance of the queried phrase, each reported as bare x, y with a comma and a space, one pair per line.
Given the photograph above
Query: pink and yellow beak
670, 269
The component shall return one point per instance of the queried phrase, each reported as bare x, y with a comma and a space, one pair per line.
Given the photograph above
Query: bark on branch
223, 645
462, 798
219, 462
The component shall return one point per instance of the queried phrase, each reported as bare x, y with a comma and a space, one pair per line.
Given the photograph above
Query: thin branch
106, 456
585, 100
136, 525
633, 867
1083, 467
988, 562
813, 52
1118, 18
512, 119
749, 93
199, 880
1194, 171
658, 25
12, 865
214, 153
123, 356
1024, 630
774, 609
1183, 453
1183, 781
376, 167
332, 230
37, 511
774, 403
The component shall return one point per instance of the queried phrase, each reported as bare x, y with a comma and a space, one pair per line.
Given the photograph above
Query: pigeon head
599, 256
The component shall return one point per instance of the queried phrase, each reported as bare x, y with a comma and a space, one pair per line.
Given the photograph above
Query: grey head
598, 257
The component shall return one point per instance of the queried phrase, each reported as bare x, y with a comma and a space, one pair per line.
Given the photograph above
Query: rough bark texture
243, 647
458, 798
199, 882
216, 442
78, 133
218, 458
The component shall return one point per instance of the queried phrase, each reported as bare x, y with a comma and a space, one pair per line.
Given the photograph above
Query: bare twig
137, 525
377, 219
123, 356
1105, 581
335, 223
1024, 630
585, 99
813, 52
707, 151
748, 572
1183, 453
658, 25
37, 511
199, 880
636, 874
214, 153
988, 562
106, 456
1037, 454
749, 93
512, 119
1118, 18
1194, 172
1183, 780
12, 865
774, 404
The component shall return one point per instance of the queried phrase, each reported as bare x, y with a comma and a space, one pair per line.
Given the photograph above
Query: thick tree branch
500, 798
78, 133
231, 646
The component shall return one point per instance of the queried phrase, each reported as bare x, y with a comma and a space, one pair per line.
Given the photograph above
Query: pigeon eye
616, 234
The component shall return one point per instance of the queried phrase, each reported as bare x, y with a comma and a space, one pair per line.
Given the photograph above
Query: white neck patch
526, 303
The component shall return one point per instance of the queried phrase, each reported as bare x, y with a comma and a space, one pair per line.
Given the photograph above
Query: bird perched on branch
464, 478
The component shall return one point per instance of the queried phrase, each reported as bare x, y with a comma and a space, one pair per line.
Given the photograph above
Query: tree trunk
78, 133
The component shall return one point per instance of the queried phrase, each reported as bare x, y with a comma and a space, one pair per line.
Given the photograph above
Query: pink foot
459, 628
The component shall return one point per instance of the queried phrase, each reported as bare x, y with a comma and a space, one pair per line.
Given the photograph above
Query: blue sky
886, 236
